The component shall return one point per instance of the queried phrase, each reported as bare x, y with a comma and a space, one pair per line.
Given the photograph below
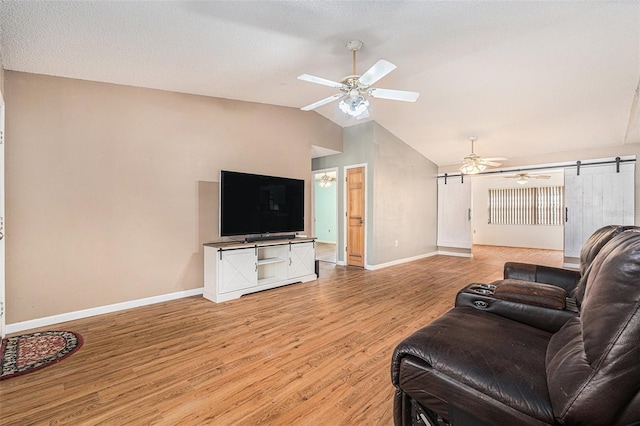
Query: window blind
526, 206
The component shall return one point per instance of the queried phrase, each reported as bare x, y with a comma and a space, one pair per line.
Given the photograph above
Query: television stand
233, 269
269, 238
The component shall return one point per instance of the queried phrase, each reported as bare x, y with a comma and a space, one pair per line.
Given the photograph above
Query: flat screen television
255, 204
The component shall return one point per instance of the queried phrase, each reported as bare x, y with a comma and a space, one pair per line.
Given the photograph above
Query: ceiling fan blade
495, 159
489, 163
320, 80
376, 72
396, 95
322, 102
540, 176
513, 177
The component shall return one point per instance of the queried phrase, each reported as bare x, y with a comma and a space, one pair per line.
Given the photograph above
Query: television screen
256, 204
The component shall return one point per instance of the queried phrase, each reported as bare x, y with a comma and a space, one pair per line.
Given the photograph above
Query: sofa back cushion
589, 251
592, 364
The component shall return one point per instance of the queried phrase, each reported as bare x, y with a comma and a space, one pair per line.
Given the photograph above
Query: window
526, 206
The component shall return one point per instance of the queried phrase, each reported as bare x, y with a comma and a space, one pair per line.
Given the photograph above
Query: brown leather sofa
472, 367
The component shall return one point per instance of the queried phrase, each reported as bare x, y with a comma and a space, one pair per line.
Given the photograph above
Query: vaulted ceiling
526, 77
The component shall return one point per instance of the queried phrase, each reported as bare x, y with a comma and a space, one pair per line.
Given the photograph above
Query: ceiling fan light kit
473, 169
355, 88
354, 106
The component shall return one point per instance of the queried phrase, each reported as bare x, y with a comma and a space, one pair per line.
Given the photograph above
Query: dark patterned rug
30, 352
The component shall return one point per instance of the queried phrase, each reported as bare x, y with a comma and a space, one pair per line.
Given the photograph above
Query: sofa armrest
542, 306
565, 278
530, 293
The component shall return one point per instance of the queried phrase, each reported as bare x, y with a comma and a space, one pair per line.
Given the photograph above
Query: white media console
235, 268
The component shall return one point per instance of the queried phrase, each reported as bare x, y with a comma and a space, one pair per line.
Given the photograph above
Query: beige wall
111, 190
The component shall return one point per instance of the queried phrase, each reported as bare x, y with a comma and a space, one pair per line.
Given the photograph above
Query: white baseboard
85, 313
399, 261
454, 253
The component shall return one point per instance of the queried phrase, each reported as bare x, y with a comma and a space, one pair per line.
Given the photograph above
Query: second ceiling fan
354, 89
473, 163
523, 178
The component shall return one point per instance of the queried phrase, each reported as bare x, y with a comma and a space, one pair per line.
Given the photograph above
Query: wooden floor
316, 353
326, 252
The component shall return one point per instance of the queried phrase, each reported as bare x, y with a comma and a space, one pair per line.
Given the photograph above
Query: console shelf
234, 269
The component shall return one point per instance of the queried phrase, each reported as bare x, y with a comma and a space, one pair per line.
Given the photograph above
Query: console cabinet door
238, 270
301, 259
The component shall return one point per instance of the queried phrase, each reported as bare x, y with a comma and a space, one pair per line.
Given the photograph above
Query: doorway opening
325, 214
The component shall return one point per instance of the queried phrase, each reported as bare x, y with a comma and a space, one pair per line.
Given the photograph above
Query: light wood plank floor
316, 353
326, 252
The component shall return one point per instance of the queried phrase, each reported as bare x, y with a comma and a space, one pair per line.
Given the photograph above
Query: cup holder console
480, 288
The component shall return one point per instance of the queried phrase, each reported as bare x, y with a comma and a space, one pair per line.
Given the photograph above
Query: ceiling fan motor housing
354, 45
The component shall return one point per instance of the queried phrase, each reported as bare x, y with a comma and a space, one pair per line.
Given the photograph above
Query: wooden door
355, 216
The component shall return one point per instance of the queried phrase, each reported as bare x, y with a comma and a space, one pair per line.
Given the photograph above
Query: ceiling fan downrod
473, 139
354, 46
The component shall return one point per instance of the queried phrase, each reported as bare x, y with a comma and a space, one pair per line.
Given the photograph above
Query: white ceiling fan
473, 163
524, 177
354, 89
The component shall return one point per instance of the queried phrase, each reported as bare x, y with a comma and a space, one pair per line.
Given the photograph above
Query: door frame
344, 212
3, 305
313, 202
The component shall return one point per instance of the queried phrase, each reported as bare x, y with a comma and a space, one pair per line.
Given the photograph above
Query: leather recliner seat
543, 296
489, 369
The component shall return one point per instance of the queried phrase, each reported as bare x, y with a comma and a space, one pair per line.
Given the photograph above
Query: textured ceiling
525, 77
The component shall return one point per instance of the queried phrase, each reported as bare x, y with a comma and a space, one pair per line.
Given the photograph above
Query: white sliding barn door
597, 197
454, 213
